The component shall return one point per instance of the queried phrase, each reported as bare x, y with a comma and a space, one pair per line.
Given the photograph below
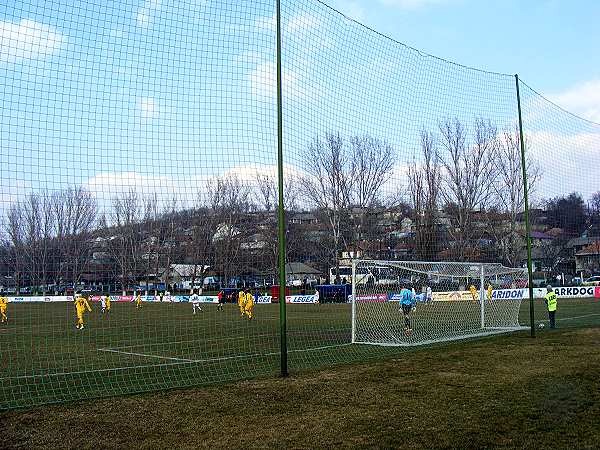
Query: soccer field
163, 345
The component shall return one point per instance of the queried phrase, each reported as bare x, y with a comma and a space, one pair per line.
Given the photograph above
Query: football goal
407, 303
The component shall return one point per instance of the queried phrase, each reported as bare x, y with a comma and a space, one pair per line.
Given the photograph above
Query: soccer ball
541, 326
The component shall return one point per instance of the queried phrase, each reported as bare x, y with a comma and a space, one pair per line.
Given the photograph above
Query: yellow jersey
81, 304
473, 290
3, 302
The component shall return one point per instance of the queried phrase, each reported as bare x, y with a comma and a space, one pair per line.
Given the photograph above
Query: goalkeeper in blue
407, 303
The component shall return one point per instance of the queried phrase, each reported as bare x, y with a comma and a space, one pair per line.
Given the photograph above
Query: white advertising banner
41, 299
509, 294
305, 299
575, 291
204, 299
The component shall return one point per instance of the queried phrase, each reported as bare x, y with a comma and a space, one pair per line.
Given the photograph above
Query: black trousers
552, 317
406, 309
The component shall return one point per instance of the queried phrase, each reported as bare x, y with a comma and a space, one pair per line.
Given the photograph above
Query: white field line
205, 340
196, 341
177, 361
145, 355
220, 358
572, 318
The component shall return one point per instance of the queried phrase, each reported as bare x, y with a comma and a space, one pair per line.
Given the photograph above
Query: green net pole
281, 220
527, 224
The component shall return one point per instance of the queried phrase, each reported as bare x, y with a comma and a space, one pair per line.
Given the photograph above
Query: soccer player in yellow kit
138, 301
81, 304
473, 290
242, 302
249, 305
3, 304
489, 291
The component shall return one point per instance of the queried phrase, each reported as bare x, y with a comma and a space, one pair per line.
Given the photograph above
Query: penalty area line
571, 318
176, 362
220, 358
145, 355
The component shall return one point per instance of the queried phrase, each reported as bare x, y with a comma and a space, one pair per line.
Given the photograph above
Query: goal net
406, 303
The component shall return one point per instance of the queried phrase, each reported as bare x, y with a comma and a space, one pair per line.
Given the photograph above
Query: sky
551, 44
164, 96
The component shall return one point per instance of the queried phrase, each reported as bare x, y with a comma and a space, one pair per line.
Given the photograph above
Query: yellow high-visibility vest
551, 301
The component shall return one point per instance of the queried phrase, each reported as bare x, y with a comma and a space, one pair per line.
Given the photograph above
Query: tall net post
281, 211
526, 211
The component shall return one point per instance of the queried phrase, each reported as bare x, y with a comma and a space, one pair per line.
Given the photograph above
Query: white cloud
267, 23
567, 162
250, 173
108, 185
27, 39
263, 80
143, 18
251, 57
148, 107
302, 23
12, 191
297, 24
582, 99
146, 12
187, 191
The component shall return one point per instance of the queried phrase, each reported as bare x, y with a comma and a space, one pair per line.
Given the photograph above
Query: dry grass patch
505, 392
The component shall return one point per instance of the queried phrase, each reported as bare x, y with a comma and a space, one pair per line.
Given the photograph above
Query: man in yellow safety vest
551, 301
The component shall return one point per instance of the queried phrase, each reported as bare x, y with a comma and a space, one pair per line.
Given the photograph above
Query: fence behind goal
139, 162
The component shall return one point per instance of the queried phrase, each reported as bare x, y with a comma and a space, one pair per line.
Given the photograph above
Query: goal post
405, 303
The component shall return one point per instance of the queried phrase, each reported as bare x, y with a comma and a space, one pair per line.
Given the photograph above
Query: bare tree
14, 230
124, 244
341, 175
267, 192
468, 177
39, 230
594, 208
201, 224
75, 210
510, 192
31, 210
267, 198
229, 201
424, 188
327, 185
168, 231
151, 222
371, 167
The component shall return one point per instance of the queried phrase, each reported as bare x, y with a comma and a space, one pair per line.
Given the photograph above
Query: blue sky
551, 43
162, 96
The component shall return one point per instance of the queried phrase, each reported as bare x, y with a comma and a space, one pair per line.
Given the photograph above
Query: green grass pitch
44, 359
